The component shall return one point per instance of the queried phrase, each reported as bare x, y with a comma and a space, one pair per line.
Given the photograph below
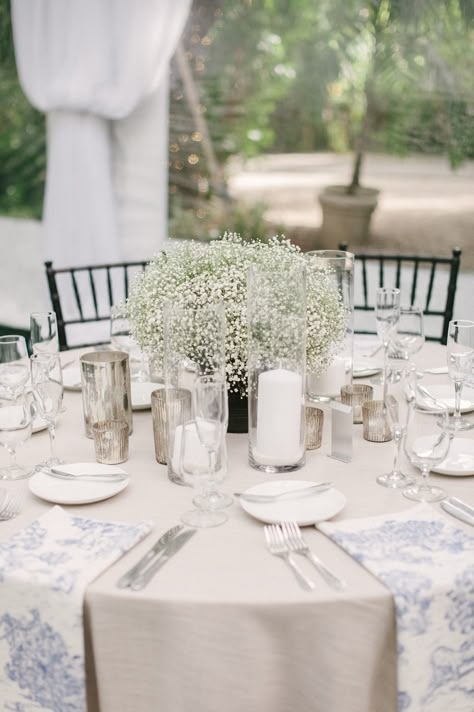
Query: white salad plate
38, 424
445, 394
58, 491
72, 378
459, 461
365, 367
141, 394
305, 511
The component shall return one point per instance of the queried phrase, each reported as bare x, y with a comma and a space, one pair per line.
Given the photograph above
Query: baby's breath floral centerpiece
195, 273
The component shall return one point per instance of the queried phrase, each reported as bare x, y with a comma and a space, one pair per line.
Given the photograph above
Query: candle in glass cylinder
329, 383
279, 417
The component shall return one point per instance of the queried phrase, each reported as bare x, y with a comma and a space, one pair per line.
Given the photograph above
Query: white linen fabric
87, 63
427, 563
44, 570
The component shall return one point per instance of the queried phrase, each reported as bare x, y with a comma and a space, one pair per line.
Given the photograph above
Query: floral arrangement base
238, 414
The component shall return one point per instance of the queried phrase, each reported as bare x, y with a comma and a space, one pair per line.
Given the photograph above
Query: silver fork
294, 538
277, 546
9, 506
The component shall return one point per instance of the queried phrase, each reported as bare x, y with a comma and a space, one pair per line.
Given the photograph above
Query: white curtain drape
92, 66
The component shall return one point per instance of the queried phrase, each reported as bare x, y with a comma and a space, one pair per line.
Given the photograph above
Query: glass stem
457, 398
425, 471
13, 462
385, 368
52, 438
397, 436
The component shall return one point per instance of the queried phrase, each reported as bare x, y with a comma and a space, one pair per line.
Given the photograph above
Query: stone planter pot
346, 218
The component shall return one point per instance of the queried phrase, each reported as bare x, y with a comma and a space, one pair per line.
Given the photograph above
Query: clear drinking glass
15, 430
194, 346
47, 383
14, 364
210, 404
409, 337
44, 332
397, 401
426, 442
387, 314
197, 462
122, 340
460, 355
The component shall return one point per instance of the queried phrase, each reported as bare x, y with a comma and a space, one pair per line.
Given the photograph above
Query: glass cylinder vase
194, 346
337, 269
276, 316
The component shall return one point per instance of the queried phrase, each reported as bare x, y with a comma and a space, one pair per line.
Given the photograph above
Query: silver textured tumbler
106, 394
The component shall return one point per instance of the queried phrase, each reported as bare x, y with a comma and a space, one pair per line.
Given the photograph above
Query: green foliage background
285, 76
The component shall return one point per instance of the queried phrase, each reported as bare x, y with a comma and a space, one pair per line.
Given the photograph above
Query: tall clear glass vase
337, 269
194, 346
276, 316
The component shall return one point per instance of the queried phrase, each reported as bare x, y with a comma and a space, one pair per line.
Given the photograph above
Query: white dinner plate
445, 394
365, 367
304, 511
72, 378
58, 491
141, 394
38, 424
459, 460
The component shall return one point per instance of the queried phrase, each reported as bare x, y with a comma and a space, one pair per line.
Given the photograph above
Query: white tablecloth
224, 626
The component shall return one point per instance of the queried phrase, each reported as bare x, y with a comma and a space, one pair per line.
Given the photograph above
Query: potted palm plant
402, 85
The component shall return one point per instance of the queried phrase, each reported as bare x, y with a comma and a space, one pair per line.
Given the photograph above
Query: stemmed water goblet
398, 398
409, 336
202, 450
47, 383
209, 398
44, 332
426, 443
121, 339
387, 313
14, 364
460, 356
15, 430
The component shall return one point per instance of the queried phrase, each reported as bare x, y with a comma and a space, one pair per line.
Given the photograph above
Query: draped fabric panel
88, 64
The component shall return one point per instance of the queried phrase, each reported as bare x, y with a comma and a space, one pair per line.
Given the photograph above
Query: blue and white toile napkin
44, 570
428, 565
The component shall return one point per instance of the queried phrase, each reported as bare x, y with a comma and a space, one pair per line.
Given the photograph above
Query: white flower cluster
195, 273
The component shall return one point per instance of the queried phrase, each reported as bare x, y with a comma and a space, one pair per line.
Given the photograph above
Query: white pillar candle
279, 418
330, 381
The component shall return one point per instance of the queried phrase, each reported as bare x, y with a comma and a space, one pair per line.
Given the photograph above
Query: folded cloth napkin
428, 565
44, 570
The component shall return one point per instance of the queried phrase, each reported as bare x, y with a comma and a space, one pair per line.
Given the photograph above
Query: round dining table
224, 626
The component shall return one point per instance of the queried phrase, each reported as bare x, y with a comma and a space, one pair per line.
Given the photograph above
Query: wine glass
426, 442
14, 363
397, 402
210, 403
15, 430
197, 463
387, 313
44, 332
409, 336
121, 339
47, 383
460, 354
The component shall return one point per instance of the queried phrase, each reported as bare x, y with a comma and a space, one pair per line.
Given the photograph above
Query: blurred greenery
392, 76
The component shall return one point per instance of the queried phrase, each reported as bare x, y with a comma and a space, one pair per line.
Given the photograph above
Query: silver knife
290, 494
86, 476
161, 544
458, 512
174, 546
